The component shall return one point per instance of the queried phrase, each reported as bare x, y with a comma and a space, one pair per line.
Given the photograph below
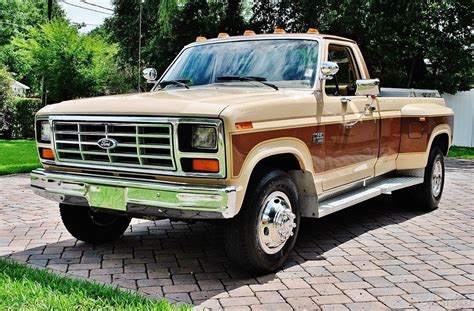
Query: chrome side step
383, 186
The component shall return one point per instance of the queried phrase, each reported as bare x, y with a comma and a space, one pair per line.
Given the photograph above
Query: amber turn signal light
243, 125
46, 153
205, 165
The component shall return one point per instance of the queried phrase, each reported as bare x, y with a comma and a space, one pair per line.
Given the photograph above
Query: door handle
345, 100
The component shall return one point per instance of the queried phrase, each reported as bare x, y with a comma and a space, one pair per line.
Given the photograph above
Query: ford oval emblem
107, 143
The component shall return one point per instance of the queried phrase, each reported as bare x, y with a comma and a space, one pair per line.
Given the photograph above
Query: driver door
351, 127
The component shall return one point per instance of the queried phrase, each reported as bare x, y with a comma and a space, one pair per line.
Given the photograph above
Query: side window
343, 83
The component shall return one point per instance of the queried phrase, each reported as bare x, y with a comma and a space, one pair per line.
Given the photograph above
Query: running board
383, 186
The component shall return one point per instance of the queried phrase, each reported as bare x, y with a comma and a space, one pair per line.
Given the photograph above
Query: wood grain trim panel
395, 138
416, 134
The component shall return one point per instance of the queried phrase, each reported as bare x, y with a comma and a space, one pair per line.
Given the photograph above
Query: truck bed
402, 92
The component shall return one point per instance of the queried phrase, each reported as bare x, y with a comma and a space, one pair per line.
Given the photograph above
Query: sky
90, 13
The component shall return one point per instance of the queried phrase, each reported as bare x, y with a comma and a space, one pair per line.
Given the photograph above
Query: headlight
204, 137
45, 132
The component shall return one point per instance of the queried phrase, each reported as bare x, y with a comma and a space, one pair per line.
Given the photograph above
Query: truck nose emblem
107, 143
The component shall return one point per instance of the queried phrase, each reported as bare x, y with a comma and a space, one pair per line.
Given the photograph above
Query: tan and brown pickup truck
258, 130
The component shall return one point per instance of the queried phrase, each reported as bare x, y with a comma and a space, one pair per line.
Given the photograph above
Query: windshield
284, 63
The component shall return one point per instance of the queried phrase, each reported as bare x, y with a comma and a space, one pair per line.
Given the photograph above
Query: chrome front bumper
137, 197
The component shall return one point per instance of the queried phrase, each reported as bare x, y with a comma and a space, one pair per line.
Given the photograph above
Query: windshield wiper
181, 83
261, 80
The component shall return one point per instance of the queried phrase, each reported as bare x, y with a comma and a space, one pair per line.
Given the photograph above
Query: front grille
137, 145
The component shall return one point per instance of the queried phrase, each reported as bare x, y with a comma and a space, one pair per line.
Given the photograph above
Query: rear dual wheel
427, 195
261, 237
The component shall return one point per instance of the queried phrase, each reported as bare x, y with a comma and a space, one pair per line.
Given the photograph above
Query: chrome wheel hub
437, 178
276, 222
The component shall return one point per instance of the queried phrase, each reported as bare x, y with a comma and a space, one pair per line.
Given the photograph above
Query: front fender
264, 150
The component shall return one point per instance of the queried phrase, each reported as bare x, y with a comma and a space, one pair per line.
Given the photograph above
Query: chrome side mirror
328, 70
150, 74
367, 87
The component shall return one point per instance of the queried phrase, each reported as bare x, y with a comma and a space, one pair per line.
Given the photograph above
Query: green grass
25, 288
18, 156
461, 152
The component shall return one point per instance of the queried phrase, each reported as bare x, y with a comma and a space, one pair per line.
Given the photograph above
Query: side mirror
328, 70
150, 74
368, 87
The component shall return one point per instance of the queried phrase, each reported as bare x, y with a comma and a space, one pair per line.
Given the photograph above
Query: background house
20, 89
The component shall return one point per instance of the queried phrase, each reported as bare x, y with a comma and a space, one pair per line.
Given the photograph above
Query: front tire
261, 237
92, 227
426, 196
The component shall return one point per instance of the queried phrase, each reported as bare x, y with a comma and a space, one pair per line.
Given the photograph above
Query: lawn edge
173, 303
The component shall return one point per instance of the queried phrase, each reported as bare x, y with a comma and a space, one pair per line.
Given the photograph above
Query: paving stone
334, 307
240, 291
295, 283
412, 288
359, 295
385, 291
327, 289
287, 293
302, 303
369, 306
331, 299
421, 297
272, 307
394, 302
241, 301
269, 297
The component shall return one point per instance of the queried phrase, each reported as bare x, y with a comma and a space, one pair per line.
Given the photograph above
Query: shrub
19, 117
6, 97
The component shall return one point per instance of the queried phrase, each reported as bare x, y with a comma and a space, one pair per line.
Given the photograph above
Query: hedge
17, 117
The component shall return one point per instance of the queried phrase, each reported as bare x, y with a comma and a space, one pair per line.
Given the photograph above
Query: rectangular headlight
204, 137
45, 131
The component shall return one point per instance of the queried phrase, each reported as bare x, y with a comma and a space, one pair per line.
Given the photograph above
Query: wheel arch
290, 155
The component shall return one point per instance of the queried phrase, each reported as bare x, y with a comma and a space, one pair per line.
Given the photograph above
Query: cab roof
310, 36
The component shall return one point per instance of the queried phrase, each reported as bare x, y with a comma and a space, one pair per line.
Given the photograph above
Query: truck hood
197, 101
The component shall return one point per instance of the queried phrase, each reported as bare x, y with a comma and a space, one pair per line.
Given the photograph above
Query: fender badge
318, 138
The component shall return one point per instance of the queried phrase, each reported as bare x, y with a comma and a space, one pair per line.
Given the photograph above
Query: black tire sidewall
78, 220
434, 156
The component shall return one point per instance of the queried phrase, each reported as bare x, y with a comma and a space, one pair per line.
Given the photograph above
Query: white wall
463, 106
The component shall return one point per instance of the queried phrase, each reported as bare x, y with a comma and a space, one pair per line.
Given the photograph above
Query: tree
396, 37
17, 17
6, 97
5, 86
168, 25
73, 65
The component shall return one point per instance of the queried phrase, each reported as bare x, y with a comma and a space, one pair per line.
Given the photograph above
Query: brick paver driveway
372, 256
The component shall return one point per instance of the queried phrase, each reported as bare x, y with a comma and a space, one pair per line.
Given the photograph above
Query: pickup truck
256, 131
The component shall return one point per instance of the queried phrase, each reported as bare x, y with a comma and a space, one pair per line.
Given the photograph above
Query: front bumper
136, 197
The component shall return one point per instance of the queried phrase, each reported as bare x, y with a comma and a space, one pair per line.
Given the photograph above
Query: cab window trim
354, 61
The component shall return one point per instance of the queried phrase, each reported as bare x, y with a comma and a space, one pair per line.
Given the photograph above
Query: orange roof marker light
200, 39
279, 30
223, 35
249, 33
313, 30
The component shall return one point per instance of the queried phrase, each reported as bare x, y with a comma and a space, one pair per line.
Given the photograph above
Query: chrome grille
138, 145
